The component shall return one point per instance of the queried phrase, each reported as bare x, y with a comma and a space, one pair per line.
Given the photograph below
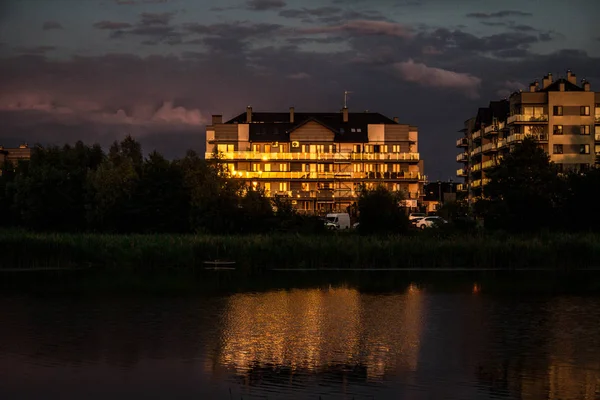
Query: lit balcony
462, 142
461, 186
527, 118
476, 151
461, 172
491, 130
501, 143
517, 137
476, 167
476, 183
485, 181
301, 175
488, 164
597, 119
477, 134
346, 156
462, 157
486, 148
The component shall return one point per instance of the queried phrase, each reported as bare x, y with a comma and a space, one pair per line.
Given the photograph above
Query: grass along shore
258, 253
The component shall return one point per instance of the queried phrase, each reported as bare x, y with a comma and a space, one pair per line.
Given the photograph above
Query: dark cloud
49, 25
500, 14
156, 18
310, 12
111, 25
449, 70
34, 49
263, 5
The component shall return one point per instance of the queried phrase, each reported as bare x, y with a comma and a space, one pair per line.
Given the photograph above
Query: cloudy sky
97, 70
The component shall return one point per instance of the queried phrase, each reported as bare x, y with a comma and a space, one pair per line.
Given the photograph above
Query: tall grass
256, 253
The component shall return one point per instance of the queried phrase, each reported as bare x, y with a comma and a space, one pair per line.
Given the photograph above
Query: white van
338, 221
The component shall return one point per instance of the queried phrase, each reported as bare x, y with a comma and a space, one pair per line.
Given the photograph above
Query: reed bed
257, 253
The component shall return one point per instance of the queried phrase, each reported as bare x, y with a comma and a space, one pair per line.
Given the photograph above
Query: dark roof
276, 126
555, 86
496, 109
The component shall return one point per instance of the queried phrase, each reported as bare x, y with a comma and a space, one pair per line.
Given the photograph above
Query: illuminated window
558, 130
283, 186
557, 110
584, 130
225, 148
256, 148
357, 167
255, 167
283, 167
356, 148
267, 187
597, 149
584, 110
267, 167
557, 149
305, 187
267, 148
396, 148
584, 149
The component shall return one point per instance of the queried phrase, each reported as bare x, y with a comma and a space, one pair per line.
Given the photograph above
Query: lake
325, 342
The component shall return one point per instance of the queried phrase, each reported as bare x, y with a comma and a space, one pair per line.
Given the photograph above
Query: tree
50, 194
524, 190
381, 212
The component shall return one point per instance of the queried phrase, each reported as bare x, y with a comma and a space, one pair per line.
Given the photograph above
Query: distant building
23, 152
438, 193
561, 115
319, 159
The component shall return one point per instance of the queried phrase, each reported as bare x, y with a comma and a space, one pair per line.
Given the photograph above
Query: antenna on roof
346, 93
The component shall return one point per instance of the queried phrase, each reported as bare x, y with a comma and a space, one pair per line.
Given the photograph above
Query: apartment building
319, 159
23, 152
562, 115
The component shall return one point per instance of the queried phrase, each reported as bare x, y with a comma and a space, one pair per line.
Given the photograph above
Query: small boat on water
219, 265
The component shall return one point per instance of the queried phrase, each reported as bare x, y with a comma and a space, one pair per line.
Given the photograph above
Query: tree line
80, 188
527, 192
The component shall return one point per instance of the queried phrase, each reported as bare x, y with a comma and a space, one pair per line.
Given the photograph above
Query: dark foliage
80, 188
380, 212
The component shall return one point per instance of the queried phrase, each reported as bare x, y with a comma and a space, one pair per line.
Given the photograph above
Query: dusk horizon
158, 69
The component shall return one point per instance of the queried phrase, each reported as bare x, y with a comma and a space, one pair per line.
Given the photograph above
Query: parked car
356, 225
414, 216
430, 222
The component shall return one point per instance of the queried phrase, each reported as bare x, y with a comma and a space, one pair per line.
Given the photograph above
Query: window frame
557, 111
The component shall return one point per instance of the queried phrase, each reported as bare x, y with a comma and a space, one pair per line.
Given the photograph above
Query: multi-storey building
23, 152
561, 115
319, 159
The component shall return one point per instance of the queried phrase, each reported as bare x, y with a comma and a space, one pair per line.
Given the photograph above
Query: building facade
562, 116
13, 155
319, 160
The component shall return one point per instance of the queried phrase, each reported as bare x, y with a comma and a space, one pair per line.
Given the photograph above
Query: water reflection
332, 342
312, 330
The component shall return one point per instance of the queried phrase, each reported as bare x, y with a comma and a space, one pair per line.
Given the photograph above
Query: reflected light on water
318, 329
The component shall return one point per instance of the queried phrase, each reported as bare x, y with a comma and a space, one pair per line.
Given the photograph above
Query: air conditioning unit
295, 144
275, 144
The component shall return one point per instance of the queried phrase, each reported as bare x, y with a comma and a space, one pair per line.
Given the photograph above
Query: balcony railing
346, 156
527, 118
461, 172
462, 157
488, 164
477, 134
476, 151
515, 138
301, 175
476, 183
462, 142
501, 143
476, 167
488, 147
